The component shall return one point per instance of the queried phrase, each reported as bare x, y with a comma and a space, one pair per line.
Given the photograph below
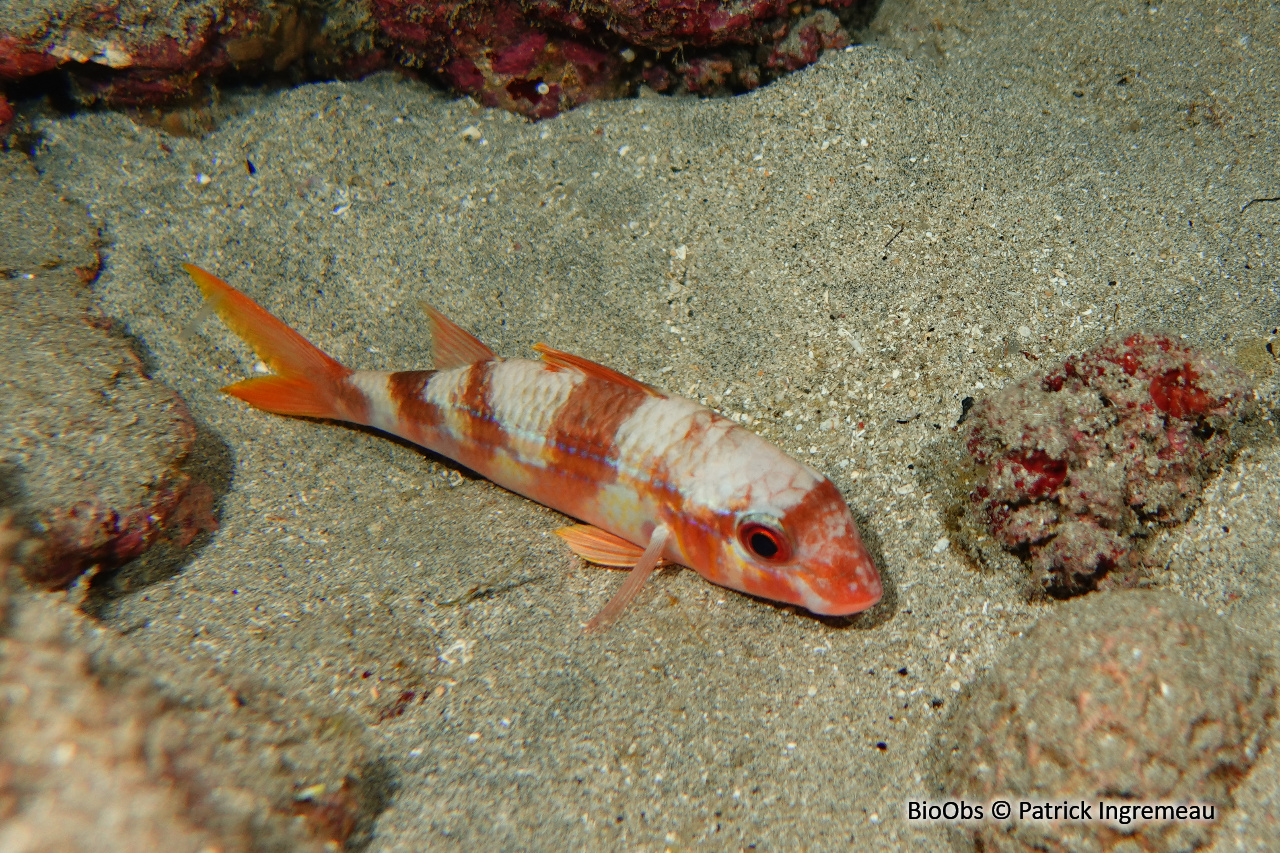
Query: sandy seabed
836, 261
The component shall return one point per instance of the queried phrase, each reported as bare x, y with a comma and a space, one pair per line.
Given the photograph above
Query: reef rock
1128, 697
1075, 469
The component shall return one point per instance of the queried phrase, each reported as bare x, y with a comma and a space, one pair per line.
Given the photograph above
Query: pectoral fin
600, 546
635, 579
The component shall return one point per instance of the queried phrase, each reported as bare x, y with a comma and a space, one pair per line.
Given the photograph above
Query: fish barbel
654, 477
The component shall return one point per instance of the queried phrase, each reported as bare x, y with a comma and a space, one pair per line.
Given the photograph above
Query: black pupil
763, 545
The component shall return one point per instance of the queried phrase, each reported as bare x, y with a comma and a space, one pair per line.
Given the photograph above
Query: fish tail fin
307, 383
284, 395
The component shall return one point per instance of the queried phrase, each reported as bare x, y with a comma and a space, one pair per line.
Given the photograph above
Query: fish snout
845, 582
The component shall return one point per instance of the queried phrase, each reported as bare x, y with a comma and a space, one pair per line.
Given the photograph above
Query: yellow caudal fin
307, 383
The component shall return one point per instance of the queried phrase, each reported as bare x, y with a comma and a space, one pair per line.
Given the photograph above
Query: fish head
804, 551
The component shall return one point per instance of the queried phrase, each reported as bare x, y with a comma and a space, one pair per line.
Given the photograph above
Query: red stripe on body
582, 444
419, 420
696, 531
482, 428
352, 403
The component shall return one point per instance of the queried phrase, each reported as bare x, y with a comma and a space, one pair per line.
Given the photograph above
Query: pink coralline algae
496, 52
1075, 469
93, 449
539, 57
90, 533
534, 57
126, 54
1134, 696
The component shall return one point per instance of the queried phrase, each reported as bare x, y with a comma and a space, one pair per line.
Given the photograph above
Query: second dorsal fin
452, 345
590, 368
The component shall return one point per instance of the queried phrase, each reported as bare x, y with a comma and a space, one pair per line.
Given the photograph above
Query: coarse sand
837, 261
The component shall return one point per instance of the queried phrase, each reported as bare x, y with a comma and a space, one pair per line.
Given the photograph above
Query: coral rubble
104, 748
92, 451
535, 57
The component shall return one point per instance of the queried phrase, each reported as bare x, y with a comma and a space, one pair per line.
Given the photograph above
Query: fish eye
764, 539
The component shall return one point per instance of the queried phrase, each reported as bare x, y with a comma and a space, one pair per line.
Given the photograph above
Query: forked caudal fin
307, 383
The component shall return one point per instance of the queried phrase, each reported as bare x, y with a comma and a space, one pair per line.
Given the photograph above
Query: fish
652, 478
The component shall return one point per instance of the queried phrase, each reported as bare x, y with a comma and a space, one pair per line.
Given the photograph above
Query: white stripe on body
526, 397
382, 409
722, 466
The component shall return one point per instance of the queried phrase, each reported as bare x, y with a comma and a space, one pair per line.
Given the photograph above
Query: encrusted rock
105, 749
91, 449
500, 54
535, 57
1075, 469
136, 54
1136, 696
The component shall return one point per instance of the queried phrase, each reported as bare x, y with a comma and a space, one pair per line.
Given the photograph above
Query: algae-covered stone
92, 449
1076, 469
1128, 696
106, 748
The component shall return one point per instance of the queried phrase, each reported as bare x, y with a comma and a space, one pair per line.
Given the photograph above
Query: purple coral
1077, 467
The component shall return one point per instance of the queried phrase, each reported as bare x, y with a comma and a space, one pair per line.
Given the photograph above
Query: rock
1074, 470
91, 453
502, 56
1134, 696
129, 54
539, 58
535, 57
103, 748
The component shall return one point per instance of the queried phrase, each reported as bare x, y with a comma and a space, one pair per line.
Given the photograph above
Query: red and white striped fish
655, 477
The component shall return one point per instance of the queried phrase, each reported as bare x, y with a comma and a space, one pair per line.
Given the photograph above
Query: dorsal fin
590, 368
452, 345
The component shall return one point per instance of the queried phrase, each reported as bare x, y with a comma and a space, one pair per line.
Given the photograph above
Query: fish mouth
842, 586
857, 600
834, 575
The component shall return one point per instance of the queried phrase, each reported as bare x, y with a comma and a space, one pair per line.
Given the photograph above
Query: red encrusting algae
534, 57
1077, 467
